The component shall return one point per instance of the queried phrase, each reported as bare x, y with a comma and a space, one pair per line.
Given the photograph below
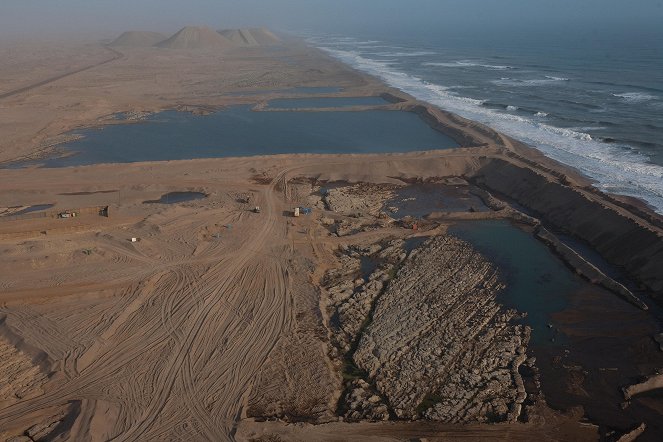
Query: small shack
67, 214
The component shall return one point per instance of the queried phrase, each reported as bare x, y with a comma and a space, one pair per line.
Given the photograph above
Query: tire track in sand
201, 332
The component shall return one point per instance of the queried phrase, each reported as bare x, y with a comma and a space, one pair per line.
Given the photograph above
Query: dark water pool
603, 342
177, 197
35, 208
419, 200
325, 102
238, 131
537, 282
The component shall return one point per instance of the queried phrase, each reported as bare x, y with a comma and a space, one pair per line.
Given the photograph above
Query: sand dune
265, 36
251, 37
138, 39
194, 37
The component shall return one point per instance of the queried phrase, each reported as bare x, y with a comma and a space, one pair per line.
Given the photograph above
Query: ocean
589, 100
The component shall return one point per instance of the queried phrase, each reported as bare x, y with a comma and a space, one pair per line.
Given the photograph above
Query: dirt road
116, 56
178, 360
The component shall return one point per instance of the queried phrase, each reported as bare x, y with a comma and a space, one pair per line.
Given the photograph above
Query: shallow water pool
537, 282
239, 131
177, 197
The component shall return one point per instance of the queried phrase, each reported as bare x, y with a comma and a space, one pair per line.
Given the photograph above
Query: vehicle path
181, 356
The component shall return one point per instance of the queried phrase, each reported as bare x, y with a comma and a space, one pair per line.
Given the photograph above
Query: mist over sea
590, 100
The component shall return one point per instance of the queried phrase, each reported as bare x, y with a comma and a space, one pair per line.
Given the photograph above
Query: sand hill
250, 37
192, 37
138, 39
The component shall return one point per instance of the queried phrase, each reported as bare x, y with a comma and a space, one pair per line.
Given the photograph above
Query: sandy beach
210, 320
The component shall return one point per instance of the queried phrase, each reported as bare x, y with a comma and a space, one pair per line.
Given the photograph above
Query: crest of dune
195, 37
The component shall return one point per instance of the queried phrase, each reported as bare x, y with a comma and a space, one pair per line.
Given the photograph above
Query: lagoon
240, 131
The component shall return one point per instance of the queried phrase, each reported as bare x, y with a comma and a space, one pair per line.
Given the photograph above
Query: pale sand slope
196, 37
138, 39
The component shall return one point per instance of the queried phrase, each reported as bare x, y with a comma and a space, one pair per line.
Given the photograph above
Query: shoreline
466, 132
242, 289
604, 158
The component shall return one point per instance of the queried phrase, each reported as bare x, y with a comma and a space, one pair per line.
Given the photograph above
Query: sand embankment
622, 238
196, 37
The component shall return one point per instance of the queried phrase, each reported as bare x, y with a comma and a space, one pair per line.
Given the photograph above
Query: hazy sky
106, 17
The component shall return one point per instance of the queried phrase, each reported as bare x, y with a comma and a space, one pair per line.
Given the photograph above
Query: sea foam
462, 64
615, 168
517, 82
635, 97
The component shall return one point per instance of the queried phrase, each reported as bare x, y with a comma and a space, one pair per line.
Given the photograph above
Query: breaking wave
616, 168
462, 64
635, 97
404, 54
507, 81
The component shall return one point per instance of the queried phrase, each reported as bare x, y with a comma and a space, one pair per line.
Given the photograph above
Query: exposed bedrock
631, 243
351, 295
359, 199
439, 345
654, 382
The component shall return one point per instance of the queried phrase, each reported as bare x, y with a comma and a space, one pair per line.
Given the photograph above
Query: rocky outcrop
359, 200
439, 345
654, 382
659, 340
634, 434
363, 403
351, 295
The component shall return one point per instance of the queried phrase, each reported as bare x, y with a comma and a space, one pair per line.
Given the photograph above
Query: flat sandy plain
219, 317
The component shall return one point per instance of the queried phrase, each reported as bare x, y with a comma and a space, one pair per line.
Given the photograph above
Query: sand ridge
196, 37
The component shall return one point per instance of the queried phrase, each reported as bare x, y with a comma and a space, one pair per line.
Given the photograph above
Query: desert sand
217, 318
251, 37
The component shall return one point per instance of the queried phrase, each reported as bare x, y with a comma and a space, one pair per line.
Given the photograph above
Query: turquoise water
238, 131
537, 282
325, 102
